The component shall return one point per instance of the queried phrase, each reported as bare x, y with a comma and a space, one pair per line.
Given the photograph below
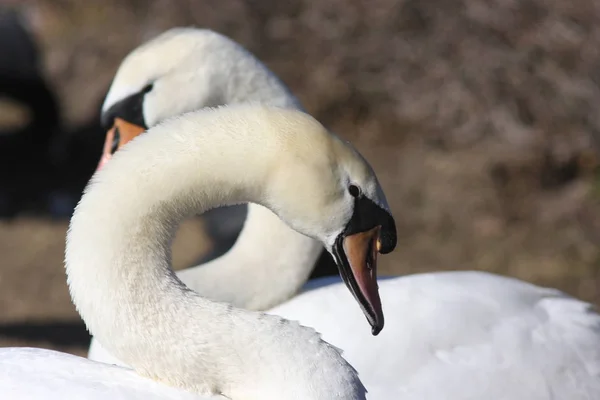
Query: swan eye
354, 190
147, 88
116, 140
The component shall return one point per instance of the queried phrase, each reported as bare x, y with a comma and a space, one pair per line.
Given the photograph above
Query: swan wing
466, 335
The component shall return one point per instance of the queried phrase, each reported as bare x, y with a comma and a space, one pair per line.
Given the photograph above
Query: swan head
146, 78
332, 194
182, 70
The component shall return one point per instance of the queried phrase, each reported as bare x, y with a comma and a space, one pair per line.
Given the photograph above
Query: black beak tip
376, 325
375, 329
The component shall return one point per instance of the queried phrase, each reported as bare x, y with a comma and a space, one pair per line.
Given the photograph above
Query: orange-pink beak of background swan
116, 137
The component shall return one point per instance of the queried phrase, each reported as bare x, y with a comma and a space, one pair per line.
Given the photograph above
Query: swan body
35, 374
118, 268
507, 338
464, 335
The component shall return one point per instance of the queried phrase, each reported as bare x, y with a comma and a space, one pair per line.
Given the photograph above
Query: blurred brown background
479, 117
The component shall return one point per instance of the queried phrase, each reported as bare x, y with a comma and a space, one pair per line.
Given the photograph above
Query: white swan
119, 274
499, 334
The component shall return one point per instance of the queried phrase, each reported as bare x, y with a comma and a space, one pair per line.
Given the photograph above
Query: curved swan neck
121, 281
244, 276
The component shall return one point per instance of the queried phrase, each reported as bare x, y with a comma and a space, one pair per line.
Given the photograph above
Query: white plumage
451, 335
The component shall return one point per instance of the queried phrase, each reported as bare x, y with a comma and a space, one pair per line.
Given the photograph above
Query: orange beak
116, 137
361, 251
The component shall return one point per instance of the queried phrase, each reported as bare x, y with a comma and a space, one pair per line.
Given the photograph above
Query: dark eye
116, 140
147, 88
354, 190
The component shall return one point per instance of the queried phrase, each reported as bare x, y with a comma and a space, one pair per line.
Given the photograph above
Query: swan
507, 338
117, 260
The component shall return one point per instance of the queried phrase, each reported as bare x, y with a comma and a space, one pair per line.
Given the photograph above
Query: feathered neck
121, 281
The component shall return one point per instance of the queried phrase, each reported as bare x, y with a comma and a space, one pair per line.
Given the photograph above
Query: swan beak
116, 137
360, 251
370, 230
